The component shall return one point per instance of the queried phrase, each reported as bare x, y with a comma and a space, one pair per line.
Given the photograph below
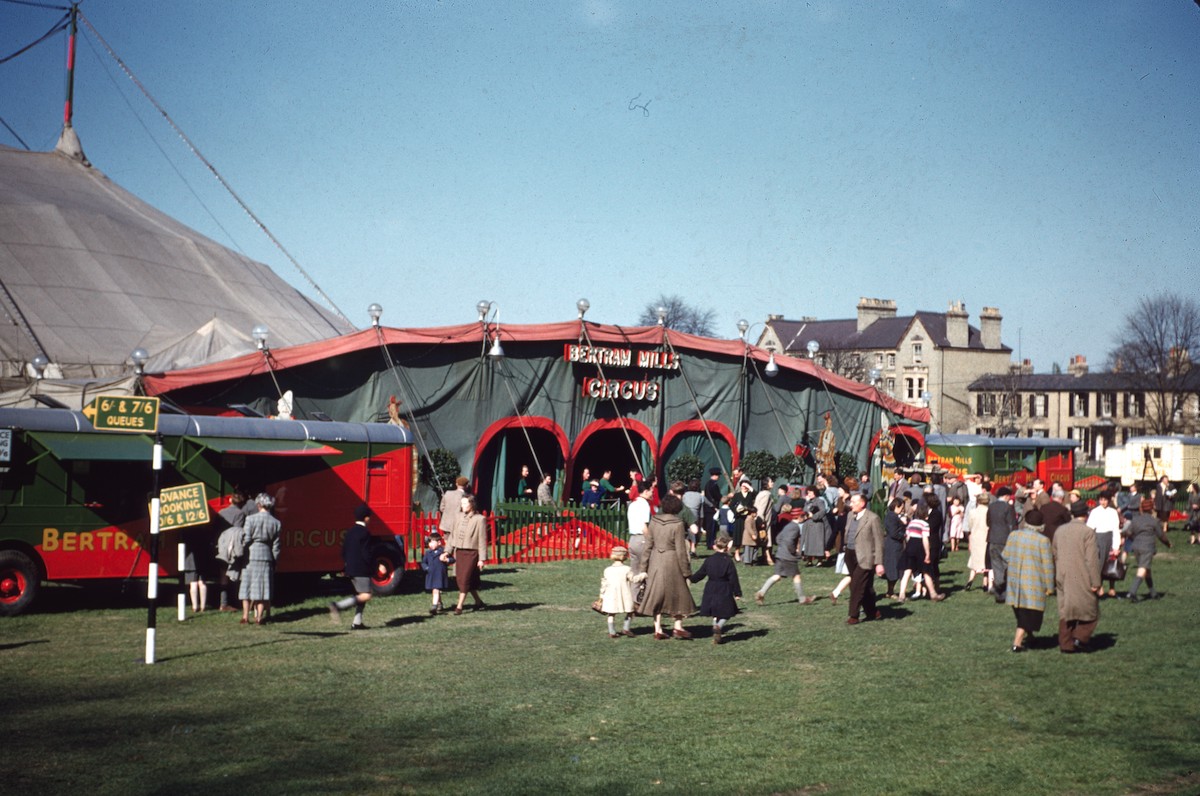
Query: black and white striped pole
152, 573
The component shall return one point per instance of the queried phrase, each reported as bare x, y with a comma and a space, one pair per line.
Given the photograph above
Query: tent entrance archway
498, 465
608, 449
717, 452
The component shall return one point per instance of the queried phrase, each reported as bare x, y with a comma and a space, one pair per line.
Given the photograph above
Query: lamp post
139, 357
813, 347
260, 333
483, 307
583, 305
375, 311
661, 312
40, 363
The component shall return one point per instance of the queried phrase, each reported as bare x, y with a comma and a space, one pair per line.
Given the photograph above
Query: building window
891, 386
1135, 404
1079, 404
891, 361
1039, 405
918, 350
1039, 432
1084, 435
910, 389
1106, 404
879, 361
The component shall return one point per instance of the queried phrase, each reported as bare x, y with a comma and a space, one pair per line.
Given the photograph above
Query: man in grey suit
864, 558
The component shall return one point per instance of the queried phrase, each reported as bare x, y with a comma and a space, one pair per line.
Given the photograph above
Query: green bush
759, 465
685, 467
445, 464
791, 468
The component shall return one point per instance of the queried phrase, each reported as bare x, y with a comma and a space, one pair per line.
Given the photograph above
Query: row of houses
965, 375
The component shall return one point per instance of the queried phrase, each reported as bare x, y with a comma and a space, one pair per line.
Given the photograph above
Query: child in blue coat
437, 577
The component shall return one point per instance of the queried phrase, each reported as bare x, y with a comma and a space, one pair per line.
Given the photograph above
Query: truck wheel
385, 578
19, 582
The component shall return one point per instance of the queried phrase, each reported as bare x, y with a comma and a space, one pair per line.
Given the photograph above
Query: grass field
531, 696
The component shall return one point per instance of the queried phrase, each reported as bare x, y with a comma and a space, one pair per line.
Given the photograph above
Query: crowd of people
1023, 545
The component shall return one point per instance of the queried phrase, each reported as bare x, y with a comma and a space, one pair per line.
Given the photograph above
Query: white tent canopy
89, 272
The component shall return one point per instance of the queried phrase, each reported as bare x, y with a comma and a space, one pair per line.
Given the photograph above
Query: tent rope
616, 408
696, 403
212, 169
421, 444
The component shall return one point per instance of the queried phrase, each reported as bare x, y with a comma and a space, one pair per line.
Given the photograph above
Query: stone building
1099, 409
927, 358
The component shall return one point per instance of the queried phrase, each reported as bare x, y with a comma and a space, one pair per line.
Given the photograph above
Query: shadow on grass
506, 607
402, 621
737, 634
295, 614
223, 650
15, 645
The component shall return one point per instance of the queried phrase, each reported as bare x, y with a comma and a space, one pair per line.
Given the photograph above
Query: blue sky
1043, 158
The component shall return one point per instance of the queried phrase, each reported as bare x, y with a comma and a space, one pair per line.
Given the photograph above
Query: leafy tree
685, 467
847, 465
445, 465
681, 316
759, 464
1154, 350
790, 467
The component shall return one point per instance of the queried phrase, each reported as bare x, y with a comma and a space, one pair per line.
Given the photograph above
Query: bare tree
844, 362
1154, 349
681, 316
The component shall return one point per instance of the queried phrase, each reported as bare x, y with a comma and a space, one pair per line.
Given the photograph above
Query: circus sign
620, 389
620, 357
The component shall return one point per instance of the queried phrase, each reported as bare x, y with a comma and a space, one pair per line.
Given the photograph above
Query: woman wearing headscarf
261, 540
668, 568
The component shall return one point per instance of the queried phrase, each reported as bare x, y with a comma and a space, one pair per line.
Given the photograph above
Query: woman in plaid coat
1030, 576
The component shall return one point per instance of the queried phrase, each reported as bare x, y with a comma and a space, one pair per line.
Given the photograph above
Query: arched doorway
690, 437
508, 445
908, 444
605, 445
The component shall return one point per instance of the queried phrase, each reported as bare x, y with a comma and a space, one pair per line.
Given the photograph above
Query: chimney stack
957, 333
989, 327
1078, 365
872, 309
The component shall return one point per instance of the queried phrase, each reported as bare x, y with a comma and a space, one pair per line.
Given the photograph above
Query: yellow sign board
181, 506
136, 414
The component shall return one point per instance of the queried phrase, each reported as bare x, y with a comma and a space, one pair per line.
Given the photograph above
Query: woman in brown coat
468, 547
667, 567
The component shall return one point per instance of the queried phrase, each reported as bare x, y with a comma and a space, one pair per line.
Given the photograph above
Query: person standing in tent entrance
525, 484
611, 492
545, 490
358, 565
712, 498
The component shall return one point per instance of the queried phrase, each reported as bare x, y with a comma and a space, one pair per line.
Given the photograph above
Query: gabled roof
89, 272
1101, 381
884, 333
